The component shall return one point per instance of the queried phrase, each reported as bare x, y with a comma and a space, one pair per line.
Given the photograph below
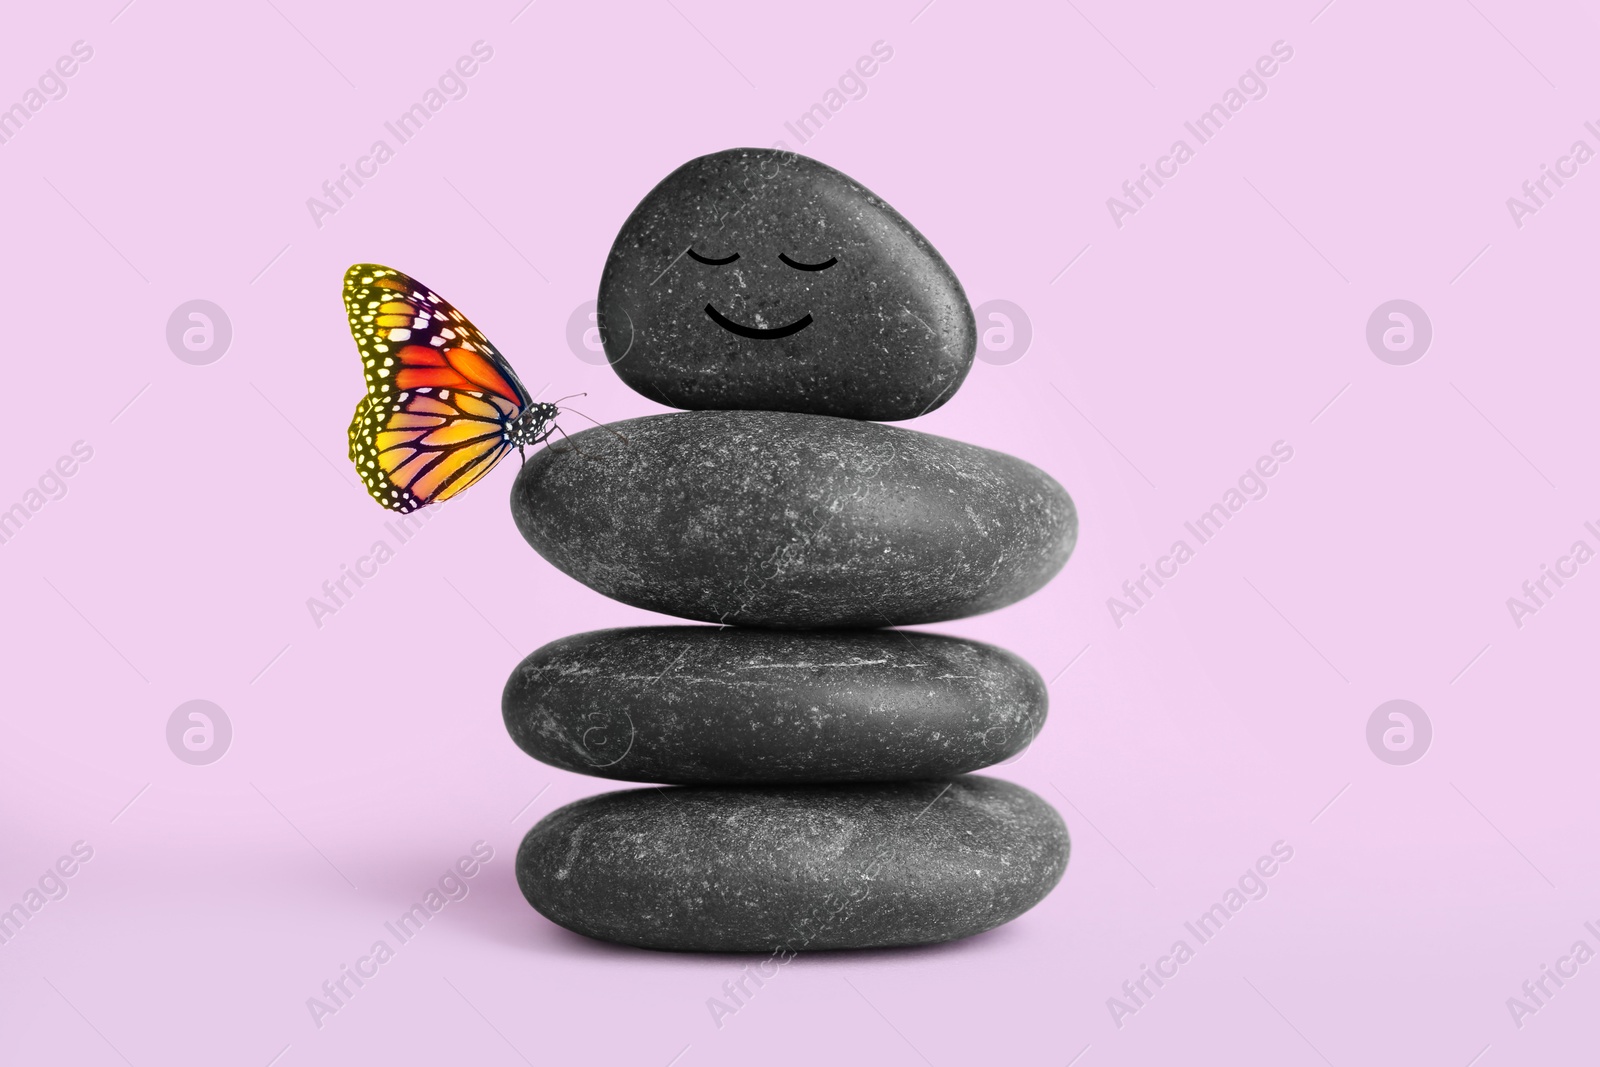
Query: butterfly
442, 406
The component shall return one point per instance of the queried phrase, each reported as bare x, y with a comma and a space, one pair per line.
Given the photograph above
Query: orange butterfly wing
440, 397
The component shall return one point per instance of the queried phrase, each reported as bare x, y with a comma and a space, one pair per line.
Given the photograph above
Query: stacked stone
818, 760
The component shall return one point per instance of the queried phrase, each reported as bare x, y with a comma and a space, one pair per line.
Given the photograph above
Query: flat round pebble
756, 278
793, 521
796, 868
704, 705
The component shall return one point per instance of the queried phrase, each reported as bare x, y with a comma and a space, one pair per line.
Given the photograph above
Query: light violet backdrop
1167, 354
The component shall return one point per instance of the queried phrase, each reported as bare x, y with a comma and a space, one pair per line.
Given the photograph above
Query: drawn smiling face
756, 278
755, 333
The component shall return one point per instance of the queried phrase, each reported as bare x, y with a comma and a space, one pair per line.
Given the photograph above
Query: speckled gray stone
884, 332
705, 705
738, 869
793, 521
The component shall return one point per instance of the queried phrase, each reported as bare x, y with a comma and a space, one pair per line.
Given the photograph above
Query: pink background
1227, 314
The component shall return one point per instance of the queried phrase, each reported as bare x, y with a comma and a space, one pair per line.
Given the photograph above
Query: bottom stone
749, 869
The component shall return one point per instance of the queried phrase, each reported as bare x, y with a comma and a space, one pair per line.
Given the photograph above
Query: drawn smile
754, 334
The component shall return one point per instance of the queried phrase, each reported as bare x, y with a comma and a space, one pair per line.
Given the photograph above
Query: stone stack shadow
815, 759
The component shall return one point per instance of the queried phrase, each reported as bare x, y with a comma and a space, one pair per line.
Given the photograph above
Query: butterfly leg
571, 447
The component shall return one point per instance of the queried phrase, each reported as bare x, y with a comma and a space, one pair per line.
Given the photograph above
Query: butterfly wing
440, 397
422, 451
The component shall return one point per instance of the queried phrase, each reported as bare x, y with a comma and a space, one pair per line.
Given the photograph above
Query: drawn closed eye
698, 258
824, 265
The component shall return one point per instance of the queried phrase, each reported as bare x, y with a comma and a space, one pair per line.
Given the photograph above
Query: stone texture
885, 332
734, 869
704, 705
793, 521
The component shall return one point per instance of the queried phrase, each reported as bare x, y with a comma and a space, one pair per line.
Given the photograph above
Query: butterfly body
442, 406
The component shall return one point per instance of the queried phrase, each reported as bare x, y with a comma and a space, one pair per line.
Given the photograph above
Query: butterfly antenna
568, 397
602, 425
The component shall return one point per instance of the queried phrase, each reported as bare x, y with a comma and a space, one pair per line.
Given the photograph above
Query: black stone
738, 869
703, 705
884, 332
793, 521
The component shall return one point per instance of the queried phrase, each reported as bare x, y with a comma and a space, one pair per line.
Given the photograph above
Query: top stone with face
760, 279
